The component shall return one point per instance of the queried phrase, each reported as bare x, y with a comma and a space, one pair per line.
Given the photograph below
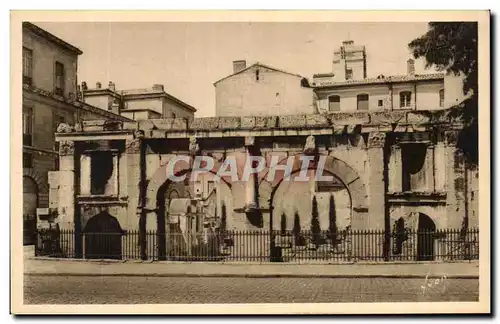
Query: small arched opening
425, 239
103, 237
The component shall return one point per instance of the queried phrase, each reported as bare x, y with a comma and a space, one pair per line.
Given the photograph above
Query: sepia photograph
251, 162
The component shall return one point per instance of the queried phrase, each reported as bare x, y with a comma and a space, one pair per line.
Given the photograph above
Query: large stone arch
160, 178
346, 174
41, 184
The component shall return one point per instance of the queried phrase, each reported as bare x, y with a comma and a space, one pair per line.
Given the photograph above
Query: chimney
158, 87
239, 66
98, 85
84, 86
411, 67
111, 86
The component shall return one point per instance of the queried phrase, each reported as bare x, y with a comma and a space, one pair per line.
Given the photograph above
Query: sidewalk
33, 266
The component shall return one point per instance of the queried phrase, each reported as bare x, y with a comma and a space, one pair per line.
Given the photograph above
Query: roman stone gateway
382, 172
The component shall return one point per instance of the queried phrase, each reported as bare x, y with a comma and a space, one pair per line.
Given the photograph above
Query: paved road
164, 290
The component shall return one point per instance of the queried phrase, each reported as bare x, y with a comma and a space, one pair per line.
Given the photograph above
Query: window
257, 75
173, 115
334, 103
348, 74
405, 99
27, 126
380, 103
363, 102
27, 66
441, 98
59, 79
102, 173
27, 160
414, 167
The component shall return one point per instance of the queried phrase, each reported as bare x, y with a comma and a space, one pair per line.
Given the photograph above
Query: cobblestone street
165, 290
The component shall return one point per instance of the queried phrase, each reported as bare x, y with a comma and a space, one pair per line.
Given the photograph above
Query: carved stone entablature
249, 141
376, 140
66, 148
194, 148
451, 138
310, 146
133, 146
78, 127
65, 128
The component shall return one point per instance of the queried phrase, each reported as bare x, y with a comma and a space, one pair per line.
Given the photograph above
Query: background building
347, 88
49, 98
261, 90
137, 104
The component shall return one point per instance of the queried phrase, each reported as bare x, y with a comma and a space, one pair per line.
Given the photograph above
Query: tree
296, 229
315, 226
452, 47
333, 221
223, 219
283, 224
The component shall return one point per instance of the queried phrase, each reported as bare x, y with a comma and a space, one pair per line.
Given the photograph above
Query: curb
237, 275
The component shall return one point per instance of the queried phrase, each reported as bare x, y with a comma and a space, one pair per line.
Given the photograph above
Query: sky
188, 57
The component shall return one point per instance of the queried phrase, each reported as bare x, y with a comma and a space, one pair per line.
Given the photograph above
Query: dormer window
348, 74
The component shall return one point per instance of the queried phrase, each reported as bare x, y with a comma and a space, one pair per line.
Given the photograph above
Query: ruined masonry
389, 168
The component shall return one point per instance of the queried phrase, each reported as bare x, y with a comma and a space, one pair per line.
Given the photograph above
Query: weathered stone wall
360, 152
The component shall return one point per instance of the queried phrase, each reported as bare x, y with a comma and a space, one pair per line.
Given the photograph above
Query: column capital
451, 137
310, 146
194, 147
66, 148
376, 140
133, 146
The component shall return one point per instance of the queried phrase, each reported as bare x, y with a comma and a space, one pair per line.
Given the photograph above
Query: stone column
455, 181
395, 169
376, 199
135, 219
376, 194
67, 185
250, 185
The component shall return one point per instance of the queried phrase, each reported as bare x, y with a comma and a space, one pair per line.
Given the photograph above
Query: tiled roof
389, 79
261, 65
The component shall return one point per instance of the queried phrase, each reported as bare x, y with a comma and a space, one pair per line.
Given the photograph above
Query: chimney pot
111, 86
158, 87
411, 67
84, 86
239, 65
98, 85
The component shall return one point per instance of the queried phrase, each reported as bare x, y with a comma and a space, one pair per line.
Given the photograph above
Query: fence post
84, 252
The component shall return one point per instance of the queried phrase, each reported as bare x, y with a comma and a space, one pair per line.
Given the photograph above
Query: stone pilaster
376, 194
67, 185
429, 167
455, 181
440, 167
133, 160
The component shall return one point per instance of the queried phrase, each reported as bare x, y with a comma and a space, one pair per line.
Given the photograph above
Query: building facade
50, 97
390, 169
261, 90
137, 104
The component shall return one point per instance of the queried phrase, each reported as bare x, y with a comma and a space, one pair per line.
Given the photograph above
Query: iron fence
265, 246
